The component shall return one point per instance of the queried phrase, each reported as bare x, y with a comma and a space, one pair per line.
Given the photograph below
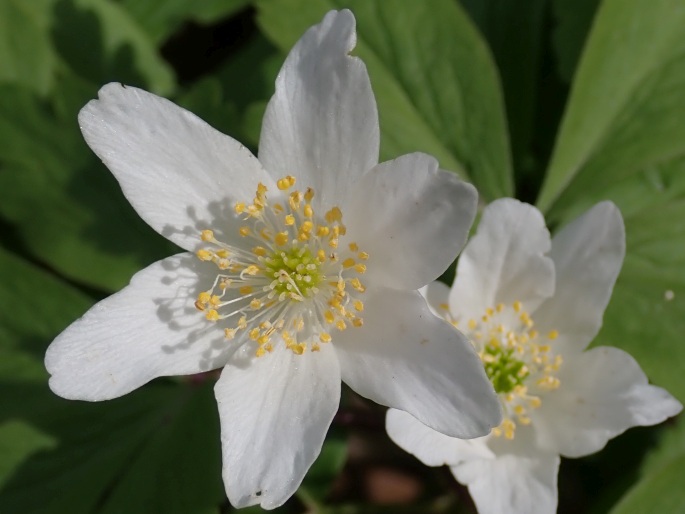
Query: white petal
603, 392
321, 125
512, 483
180, 174
437, 295
411, 217
148, 329
407, 358
431, 447
587, 255
504, 262
275, 411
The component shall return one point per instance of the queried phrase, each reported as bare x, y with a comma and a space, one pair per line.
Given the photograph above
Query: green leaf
515, 34
573, 20
34, 307
621, 114
25, 52
68, 208
660, 489
160, 18
319, 479
18, 441
622, 140
435, 82
156, 450
646, 316
110, 45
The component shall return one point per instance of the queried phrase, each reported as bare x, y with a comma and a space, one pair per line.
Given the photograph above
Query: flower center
291, 280
518, 361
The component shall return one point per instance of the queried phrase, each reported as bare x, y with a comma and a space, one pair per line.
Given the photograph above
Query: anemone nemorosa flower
531, 307
301, 269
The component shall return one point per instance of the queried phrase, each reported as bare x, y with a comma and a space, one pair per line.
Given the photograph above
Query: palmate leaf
96, 39
515, 34
25, 54
622, 139
101, 42
660, 488
160, 18
434, 79
68, 208
156, 450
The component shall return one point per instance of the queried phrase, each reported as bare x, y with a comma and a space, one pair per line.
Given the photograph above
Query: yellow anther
307, 227
357, 285
444, 306
335, 214
254, 334
278, 208
200, 306
353, 247
207, 235
245, 290
321, 256
472, 324
259, 251
229, 333
251, 270
489, 311
286, 182
260, 352
340, 324
363, 256
255, 304
309, 194
499, 307
553, 334
357, 322
242, 323
308, 211
244, 231
204, 255
204, 297
333, 243
294, 200
212, 315
348, 263
215, 301
261, 190
360, 268
264, 233
281, 238
322, 231
325, 337
549, 382
359, 305
329, 317
240, 207
298, 349
289, 219
544, 348
517, 306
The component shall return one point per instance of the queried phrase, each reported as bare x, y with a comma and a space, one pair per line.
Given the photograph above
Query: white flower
304, 269
531, 307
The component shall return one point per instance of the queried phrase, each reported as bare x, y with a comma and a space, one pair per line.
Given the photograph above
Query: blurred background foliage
561, 103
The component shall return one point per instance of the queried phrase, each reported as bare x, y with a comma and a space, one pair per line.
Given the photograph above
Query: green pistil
505, 371
301, 267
